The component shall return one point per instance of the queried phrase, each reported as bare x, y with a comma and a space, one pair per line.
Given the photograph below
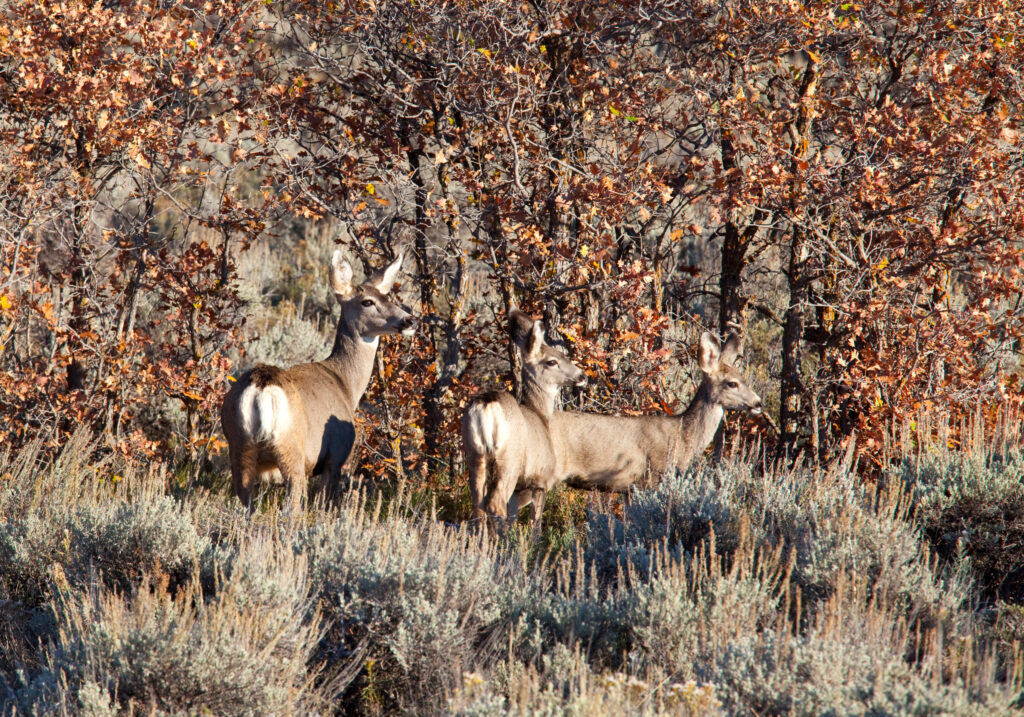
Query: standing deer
611, 453
507, 444
299, 420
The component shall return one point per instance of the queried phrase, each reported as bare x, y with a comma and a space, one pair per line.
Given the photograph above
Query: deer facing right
508, 444
294, 422
612, 453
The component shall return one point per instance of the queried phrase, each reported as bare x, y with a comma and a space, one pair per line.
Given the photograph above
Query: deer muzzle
408, 325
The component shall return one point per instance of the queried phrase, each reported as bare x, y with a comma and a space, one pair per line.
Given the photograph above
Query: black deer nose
408, 322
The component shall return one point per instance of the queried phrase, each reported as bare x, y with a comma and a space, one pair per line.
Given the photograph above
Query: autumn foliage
843, 178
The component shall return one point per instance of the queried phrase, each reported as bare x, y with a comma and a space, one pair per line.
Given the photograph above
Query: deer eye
732, 384
367, 302
552, 363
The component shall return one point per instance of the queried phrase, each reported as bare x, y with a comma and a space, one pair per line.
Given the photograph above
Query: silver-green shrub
830, 522
243, 650
93, 526
805, 592
287, 342
971, 507
422, 601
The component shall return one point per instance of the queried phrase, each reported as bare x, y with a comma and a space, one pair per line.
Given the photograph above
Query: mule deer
611, 453
299, 420
510, 441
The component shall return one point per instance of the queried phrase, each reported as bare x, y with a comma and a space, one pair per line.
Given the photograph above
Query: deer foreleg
538, 497
331, 479
516, 503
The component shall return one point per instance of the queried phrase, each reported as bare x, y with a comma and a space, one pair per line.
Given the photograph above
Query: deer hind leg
244, 474
477, 465
293, 470
494, 508
499, 493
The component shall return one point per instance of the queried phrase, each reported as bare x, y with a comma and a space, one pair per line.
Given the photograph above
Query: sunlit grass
728, 589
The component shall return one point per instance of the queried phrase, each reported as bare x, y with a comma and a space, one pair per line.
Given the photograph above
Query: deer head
543, 365
365, 307
724, 383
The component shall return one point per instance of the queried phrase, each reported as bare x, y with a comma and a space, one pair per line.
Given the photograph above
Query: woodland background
841, 178
844, 180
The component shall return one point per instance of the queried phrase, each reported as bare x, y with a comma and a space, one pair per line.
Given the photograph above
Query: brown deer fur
507, 443
299, 420
612, 453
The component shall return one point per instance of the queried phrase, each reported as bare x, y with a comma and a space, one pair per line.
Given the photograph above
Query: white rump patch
488, 429
266, 415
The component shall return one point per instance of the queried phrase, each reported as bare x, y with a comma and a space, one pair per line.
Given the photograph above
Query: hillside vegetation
728, 590
844, 181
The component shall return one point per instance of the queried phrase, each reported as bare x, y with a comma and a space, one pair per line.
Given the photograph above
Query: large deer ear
341, 276
709, 353
387, 279
534, 342
519, 325
733, 347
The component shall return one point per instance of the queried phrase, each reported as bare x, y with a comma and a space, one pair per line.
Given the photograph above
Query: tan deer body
299, 421
508, 444
612, 453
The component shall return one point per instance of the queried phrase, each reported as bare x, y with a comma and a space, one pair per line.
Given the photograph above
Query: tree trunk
433, 415
734, 255
797, 276
792, 335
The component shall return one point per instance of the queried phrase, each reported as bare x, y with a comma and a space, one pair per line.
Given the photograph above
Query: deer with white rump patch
299, 421
612, 453
508, 444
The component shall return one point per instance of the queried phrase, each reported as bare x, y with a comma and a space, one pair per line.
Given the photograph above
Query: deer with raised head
612, 453
298, 421
508, 444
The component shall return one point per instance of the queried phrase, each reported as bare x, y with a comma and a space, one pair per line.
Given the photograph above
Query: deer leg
347, 468
499, 495
519, 499
495, 507
477, 466
538, 511
293, 470
243, 473
628, 496
331, 479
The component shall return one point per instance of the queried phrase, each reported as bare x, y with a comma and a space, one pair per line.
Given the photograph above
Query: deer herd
288, 425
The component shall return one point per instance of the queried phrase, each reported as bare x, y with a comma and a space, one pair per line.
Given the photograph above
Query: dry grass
732, 590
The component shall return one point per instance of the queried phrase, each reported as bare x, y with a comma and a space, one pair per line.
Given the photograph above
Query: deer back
612, 453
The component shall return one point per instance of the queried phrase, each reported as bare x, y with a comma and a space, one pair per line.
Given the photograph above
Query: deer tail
486, 427
266, 414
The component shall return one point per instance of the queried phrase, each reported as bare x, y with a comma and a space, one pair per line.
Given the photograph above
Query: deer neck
540, 399
699, 422
351, 360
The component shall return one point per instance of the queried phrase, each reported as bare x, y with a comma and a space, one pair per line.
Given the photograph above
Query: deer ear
709, 353
520, 325
341, 276
733, 348
387, 279
534, 342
